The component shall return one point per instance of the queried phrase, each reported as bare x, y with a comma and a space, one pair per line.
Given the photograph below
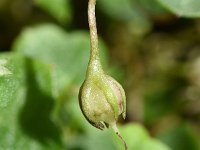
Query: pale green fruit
102, 100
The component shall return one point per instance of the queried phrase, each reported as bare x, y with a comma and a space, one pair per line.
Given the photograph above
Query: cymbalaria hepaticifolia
101, 98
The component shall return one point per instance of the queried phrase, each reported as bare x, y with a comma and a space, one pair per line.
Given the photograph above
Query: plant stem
94, 67
94, 52
114, 126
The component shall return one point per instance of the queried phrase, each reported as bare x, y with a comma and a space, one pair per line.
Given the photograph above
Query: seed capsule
101, 98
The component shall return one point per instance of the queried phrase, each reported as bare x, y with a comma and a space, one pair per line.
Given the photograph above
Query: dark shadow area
35, 117
79, 17
174, 25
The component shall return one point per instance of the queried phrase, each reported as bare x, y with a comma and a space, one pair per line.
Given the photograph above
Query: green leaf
3, 70
160, 97
67, 53
60, 9
138, 138
182, 136
8, 82
153, 7
135, 135
153, 144
122, 10
183, 8
127, 11
25, 106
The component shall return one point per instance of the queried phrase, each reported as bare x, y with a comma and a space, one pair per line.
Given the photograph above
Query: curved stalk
94, 63
94, 67
114, 126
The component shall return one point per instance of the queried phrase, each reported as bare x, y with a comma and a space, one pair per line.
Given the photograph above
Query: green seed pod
101, 98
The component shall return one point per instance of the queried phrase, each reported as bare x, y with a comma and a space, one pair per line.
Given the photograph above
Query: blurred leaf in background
60, 9
181, 137
67, 53
126, 11
25, 109
187, 8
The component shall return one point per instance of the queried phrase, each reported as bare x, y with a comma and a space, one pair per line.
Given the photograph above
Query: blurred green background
152, 47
